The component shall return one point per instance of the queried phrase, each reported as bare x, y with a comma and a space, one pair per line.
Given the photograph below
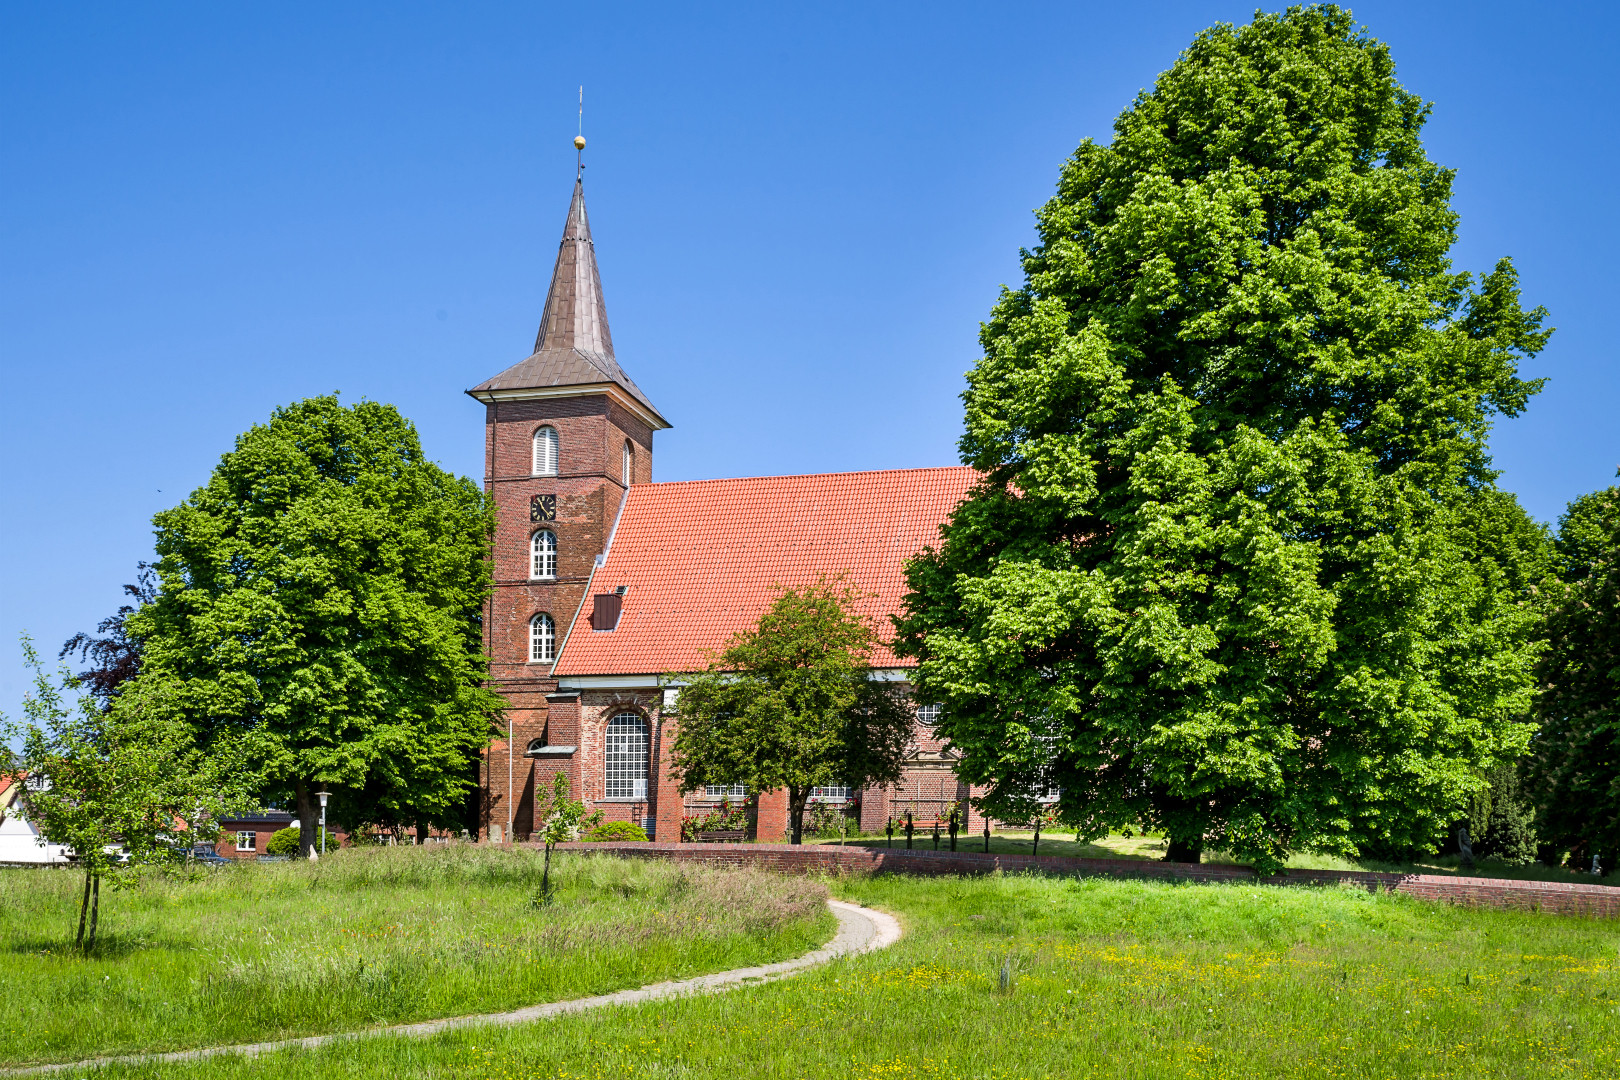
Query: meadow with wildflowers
366, 937
1152, 846
1033, 977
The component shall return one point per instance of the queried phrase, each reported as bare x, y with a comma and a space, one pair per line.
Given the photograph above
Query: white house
20, 842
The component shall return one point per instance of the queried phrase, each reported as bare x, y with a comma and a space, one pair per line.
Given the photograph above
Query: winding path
859, 930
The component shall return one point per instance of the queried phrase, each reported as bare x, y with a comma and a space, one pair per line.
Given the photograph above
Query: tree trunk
84, 909
95, 912
1036, 849
1185, 851
545, 876
421, 832
797, 797
309, 821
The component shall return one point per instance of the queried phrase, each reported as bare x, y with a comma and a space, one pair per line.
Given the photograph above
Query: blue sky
802, 213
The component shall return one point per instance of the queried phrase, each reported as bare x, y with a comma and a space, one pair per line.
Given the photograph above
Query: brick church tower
566, 432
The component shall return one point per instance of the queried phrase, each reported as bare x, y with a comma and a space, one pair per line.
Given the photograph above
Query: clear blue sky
801, 213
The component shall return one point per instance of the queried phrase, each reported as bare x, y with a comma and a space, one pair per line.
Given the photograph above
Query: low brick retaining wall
1556, 897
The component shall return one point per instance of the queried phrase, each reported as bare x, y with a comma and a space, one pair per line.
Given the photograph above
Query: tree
793, 703
326, 587
1575, 767
562, 821
115, 658
1217, 576
123, 786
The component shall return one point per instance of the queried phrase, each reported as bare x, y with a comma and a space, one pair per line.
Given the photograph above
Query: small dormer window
545, 452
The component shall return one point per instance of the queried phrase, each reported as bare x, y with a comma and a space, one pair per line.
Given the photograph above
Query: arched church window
545, 452
629, 462
542, 639
543, 555
626, 764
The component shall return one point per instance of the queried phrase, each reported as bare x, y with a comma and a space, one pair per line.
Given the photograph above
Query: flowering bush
722, 818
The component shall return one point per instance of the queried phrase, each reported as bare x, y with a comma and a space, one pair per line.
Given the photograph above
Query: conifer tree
1218, 577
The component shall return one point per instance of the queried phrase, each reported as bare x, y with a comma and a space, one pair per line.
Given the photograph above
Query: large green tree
1576, 756
326, 587
1219, 576
793, 703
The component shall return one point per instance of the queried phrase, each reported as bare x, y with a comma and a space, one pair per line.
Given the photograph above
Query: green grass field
1110, 979
1139, 846
365, 937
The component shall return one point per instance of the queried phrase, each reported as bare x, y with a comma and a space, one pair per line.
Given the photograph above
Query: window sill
552, 580
641, 799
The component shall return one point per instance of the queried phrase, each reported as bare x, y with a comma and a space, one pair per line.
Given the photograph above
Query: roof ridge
806, 476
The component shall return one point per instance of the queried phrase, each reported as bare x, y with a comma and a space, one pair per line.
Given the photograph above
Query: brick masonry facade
1549, 897
591, 431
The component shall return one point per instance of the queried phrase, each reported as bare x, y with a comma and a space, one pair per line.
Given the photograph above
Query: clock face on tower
542, 508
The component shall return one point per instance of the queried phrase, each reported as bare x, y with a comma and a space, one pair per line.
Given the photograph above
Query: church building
604, 581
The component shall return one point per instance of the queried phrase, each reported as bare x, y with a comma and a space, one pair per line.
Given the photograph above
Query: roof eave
611, 389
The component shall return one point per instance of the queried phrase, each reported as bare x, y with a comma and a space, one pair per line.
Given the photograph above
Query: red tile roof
705, 558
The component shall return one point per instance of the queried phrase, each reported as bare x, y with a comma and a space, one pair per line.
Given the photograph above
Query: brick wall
1552, 897
591, 433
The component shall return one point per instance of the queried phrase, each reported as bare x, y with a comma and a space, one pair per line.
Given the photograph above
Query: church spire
575, 316
574, 348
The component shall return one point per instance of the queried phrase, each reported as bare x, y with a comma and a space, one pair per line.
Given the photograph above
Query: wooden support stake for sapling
908, 830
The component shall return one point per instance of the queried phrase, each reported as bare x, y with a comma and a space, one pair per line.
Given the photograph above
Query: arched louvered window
543, 555
629, 462
545, 452
626, 764
542, 639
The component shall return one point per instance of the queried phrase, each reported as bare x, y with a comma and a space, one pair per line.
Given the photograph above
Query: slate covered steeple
574, 347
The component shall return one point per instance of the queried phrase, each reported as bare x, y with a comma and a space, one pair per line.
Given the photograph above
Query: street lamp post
323, 796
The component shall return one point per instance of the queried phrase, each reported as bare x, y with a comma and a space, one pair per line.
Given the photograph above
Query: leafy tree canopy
124, 785
325, 586
115, 658
792, 703
1576, 762
1221, 575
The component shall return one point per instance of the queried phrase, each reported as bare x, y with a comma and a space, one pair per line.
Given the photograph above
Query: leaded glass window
542, 639
626, 764
543, 555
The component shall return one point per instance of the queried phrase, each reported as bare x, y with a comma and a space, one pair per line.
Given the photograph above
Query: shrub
721, 818
616, 831
285, 842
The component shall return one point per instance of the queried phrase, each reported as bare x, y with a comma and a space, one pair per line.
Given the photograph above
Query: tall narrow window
545, 452
626, 766
543, 555
542, 639
629, 460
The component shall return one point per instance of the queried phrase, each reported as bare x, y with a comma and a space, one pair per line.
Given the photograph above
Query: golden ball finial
579, 142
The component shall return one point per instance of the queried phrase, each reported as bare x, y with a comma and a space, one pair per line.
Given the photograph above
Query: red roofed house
597, 594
